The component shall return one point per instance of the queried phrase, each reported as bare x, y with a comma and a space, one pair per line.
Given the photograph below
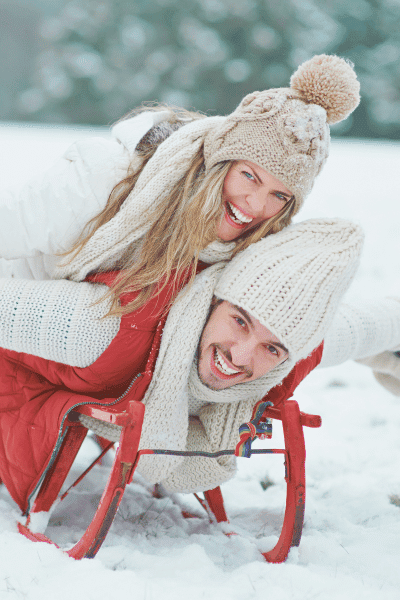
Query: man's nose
243, 352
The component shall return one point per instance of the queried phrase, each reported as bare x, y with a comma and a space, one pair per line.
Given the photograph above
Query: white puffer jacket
48, 215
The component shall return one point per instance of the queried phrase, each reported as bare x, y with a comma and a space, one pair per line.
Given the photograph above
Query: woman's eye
248, 175
281, 196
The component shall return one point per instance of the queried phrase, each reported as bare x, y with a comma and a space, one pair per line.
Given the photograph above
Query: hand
386, 369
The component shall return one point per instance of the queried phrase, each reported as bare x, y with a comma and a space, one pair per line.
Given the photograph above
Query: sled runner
128, 454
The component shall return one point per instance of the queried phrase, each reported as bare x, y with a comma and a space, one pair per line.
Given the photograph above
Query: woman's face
250, 196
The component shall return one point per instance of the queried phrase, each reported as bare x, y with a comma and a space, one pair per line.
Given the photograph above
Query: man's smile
235, 348
223, 368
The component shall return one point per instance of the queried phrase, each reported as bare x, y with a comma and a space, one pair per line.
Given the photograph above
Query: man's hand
386, 369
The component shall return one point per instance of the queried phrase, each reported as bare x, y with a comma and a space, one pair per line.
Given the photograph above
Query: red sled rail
125, 462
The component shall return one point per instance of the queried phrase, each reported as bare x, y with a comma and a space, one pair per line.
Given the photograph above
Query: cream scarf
168, 164
167, 424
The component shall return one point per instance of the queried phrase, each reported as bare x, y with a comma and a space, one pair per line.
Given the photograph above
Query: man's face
235, 348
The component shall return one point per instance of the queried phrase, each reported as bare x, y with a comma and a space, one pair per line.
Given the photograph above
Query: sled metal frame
125, 462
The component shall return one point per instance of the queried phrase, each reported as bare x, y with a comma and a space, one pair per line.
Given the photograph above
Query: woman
270, 283
152, 203
290, 283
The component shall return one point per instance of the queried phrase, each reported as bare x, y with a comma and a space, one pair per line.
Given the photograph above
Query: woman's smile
251, 195
236, 217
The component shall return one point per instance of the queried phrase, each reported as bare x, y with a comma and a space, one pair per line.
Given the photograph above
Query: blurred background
92, 61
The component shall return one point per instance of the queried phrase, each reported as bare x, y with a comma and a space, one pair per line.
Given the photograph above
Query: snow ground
350, 547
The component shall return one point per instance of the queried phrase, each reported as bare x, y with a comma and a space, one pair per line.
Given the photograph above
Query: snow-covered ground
350, 547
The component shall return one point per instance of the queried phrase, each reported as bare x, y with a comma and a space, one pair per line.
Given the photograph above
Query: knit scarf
175, 381
168, 164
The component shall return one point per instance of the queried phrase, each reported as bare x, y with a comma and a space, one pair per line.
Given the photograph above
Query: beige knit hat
286, 130
292, 282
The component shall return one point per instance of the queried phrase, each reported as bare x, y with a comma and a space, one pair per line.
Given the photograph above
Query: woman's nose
256, 202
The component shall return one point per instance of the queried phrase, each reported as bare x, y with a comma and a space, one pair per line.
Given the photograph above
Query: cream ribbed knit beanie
286, 130
293, 281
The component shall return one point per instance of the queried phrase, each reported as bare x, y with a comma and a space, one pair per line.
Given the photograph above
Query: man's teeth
222, 366
238, 216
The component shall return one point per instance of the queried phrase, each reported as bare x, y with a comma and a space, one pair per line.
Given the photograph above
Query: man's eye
240, 321
273, 350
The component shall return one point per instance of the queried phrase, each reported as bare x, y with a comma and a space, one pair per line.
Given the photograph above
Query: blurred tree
103, 57
16, 23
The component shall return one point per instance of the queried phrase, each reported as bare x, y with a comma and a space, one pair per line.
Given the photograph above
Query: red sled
128, 454
72, 434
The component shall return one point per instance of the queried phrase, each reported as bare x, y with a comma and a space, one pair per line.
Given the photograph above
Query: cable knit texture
286, 130
109, 431
279, 129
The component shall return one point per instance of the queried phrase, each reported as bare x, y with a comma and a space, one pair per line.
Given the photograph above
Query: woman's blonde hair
182, 224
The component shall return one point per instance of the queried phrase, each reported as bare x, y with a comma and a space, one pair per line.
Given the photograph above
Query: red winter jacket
36, 394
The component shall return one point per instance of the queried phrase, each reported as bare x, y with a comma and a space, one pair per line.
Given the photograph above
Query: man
252, 328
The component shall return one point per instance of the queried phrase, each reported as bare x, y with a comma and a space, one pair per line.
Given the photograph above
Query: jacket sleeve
361, 330
55, 320
47, 215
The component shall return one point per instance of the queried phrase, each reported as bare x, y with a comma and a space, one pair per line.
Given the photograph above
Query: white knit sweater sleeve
55, 320
48, 214
361, 330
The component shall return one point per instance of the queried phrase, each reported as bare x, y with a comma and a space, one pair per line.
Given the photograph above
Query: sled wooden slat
295, 483
58, 472
292, 421
120, 476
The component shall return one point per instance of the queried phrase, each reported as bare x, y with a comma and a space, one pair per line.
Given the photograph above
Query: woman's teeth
222, 366
238, 216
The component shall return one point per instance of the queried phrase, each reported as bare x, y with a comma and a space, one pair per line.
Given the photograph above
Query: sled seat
127, 456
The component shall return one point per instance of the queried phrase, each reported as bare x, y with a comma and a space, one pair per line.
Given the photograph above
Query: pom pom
330, 82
